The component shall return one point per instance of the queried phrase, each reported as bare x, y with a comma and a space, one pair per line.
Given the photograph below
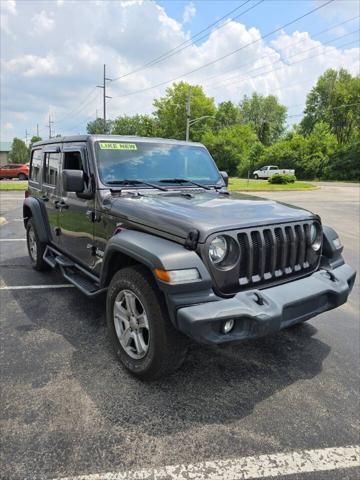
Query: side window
51, 168
35, 165
273, 168
73, 161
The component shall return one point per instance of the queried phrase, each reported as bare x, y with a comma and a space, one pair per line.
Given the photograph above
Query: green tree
227, 114
334, 100
309, 156
321, 145
34, 139
98, 127
344, 163
141, 125
19, 152
266, 115
230, 147
170, 111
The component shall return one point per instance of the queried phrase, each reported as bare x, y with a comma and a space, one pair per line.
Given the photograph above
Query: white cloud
32, 65
8, 6
63, 65
8, 126
189, 12
42, 22
340, 9
19, 116
7, 10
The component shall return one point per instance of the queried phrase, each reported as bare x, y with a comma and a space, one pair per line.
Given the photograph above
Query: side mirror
73, 181
225, 177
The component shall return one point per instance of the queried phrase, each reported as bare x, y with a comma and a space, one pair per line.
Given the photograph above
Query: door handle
61, 204
44, 198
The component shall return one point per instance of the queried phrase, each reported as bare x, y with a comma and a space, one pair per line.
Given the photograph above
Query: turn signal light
177, 276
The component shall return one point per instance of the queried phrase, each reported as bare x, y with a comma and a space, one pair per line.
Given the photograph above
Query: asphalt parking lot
69, 409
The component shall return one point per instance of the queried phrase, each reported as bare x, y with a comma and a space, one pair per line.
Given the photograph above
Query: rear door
76, 210
50, 191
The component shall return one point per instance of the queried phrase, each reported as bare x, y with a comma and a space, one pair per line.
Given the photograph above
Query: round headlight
218, 249
315, 237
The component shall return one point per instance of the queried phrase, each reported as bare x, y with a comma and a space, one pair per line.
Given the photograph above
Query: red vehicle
14, 170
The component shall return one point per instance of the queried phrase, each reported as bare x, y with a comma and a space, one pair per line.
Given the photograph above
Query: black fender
38, 214
154, 252
331, 253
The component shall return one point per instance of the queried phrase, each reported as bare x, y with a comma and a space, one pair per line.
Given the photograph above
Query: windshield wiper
184, 180
136, 182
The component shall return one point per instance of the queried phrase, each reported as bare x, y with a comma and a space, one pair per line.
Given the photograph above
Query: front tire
256, 176
22, 176
139, 326
36, 248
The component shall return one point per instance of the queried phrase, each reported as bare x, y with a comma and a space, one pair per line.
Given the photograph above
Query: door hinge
92, 216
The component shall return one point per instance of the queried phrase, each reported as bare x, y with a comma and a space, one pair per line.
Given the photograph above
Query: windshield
154, 162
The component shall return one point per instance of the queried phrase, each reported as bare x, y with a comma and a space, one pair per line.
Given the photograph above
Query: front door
76, 213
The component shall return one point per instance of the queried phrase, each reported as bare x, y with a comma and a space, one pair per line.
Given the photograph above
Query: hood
208, 212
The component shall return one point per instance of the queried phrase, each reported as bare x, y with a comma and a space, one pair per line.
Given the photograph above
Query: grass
13, 185
241, 184
235, 184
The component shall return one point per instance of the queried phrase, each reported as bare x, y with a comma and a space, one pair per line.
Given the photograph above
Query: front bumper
260, 312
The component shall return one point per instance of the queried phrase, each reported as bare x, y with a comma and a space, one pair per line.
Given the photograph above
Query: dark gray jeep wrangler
151, 223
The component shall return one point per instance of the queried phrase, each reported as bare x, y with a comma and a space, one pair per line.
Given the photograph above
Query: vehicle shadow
215, 385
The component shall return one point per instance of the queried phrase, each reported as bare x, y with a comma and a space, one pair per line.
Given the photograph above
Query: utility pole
49, 126
37, 130
103, 86
26, 137
188, 112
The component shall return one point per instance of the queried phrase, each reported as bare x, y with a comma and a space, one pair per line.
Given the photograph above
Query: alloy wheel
131, 324
32, 244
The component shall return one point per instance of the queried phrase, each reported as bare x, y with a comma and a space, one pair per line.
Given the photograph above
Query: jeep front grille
274, 252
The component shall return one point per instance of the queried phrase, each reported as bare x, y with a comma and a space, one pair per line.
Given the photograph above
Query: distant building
5, 148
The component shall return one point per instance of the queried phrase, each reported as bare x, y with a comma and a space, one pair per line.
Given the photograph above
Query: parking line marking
245, 468
34, 287
12, 239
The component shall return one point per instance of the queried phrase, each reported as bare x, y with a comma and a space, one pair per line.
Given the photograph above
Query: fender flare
331, 255
154, 252
38, 214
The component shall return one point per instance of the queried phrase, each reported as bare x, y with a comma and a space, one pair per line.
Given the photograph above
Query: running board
74, 273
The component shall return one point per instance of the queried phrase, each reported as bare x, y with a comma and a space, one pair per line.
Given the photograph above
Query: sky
53, 52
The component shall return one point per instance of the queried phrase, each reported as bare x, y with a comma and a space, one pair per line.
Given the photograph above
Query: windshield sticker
118, 146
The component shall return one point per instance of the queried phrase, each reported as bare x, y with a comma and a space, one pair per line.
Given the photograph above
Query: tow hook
330, 275
258, 298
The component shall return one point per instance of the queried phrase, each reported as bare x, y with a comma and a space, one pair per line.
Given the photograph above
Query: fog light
228, 326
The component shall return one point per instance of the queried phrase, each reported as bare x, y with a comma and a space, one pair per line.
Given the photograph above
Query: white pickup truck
268, 170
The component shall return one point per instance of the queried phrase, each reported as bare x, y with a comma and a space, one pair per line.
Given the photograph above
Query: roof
5, 146
107, 138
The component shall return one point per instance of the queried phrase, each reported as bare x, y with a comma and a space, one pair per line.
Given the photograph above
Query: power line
49, 126
331, 108
83, 107
245, 74
103, 86
188, 43
291, 44
75, 109
228, 54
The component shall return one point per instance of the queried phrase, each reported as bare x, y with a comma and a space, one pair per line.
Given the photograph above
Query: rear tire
36, 248
139, 326
22, 176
